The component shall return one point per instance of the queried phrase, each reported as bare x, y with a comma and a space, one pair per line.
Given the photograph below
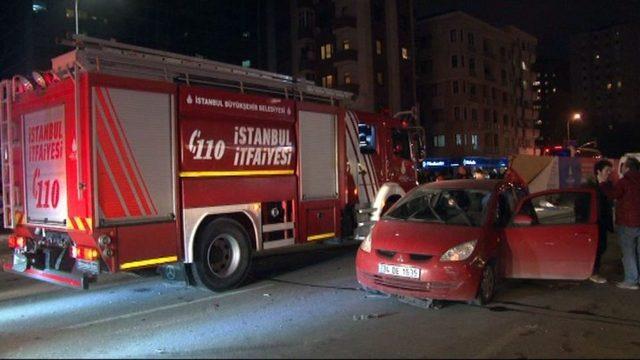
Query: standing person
626, 192
478, 174
602, 170
462, 173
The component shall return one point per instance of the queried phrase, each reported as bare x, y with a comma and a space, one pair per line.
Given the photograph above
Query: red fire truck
123, 157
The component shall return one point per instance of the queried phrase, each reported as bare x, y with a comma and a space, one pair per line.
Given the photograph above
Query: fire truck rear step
77, 281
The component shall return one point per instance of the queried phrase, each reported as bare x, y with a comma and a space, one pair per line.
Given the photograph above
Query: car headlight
459, 252
366, 244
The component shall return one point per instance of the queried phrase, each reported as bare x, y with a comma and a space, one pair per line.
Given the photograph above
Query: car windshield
466, 207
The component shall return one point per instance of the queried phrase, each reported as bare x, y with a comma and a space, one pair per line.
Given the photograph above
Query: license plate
401, 271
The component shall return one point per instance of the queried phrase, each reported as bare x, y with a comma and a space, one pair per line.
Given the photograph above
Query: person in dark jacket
602, 170
626, 192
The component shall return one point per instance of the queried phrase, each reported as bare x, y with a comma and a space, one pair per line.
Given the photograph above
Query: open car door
553, 235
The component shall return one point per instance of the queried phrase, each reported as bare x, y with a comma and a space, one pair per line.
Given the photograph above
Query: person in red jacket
626, 192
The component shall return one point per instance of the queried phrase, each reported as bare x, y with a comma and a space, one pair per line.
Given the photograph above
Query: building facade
363, 46
553, 91
605, 79
475, 86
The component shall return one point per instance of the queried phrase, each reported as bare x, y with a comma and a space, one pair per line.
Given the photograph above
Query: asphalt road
309, 306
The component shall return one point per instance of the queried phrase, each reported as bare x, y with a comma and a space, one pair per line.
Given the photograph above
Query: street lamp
574, 117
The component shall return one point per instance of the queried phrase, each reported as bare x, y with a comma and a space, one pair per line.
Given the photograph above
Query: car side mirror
522, 220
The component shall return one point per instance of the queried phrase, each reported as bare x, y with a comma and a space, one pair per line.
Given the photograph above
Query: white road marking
167, 307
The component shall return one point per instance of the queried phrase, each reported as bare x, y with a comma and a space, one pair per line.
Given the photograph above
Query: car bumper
442, 281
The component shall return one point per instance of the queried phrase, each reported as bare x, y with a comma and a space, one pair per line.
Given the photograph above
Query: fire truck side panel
134, 169
318, 132
237, 159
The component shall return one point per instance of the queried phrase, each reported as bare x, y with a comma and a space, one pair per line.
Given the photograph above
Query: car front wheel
487, 287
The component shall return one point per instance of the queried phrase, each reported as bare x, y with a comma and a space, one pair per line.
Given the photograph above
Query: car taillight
84, 253
16, 241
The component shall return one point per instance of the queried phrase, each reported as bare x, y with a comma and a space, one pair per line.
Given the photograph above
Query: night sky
551, 21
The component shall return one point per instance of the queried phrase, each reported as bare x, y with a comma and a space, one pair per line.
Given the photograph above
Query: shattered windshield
448, 206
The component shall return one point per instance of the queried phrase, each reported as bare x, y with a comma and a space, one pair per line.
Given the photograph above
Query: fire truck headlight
104, 240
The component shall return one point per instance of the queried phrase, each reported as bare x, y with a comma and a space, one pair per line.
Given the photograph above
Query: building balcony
346, 55
305, 33
344, 21
352, 88
305, 4
308, 64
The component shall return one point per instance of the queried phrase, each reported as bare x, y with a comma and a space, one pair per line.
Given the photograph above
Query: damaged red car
452, 240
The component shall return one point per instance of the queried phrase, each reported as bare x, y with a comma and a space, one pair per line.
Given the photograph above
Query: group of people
463, 173
626, 194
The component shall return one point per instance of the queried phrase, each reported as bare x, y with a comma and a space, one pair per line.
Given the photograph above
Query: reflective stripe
79, 224
141, 263
321, 236
190, 174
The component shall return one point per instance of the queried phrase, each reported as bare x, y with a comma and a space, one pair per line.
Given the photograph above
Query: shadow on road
270, 267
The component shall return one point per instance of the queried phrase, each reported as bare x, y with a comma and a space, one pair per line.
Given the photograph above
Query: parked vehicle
452, 240
123, 157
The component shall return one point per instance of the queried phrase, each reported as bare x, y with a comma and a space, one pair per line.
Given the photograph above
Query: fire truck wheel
222, 255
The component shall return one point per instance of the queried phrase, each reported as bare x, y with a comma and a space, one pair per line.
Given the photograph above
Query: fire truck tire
222, 255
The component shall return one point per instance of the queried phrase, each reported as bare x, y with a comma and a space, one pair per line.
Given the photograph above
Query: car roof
489, 184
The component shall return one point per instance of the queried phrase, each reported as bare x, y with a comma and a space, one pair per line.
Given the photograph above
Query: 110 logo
45, 191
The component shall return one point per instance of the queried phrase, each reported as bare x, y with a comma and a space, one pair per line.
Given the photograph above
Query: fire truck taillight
84, 253
104, 240
16, 242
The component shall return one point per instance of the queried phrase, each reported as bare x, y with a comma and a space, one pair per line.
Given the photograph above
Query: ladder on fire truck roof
115, 58
7, 92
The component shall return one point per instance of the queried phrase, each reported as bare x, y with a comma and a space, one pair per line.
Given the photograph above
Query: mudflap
76, 281
174, 272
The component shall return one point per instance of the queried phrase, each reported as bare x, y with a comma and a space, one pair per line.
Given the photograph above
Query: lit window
346, 45
474, 142
459, 139
378, 47
524, 65
438, 141
246, 63
619, 84
327, 81
405, 53
326, 51
554, 90
347, 78
38, 6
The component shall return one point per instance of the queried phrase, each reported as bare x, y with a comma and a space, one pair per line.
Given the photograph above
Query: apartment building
362, 46
605, 74
474, 86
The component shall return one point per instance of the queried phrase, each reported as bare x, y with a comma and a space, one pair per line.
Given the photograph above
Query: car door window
558, 208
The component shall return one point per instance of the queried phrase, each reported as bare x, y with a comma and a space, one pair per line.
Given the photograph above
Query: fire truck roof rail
110, 56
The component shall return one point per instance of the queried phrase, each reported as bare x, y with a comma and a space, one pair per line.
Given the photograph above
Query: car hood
421, 238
